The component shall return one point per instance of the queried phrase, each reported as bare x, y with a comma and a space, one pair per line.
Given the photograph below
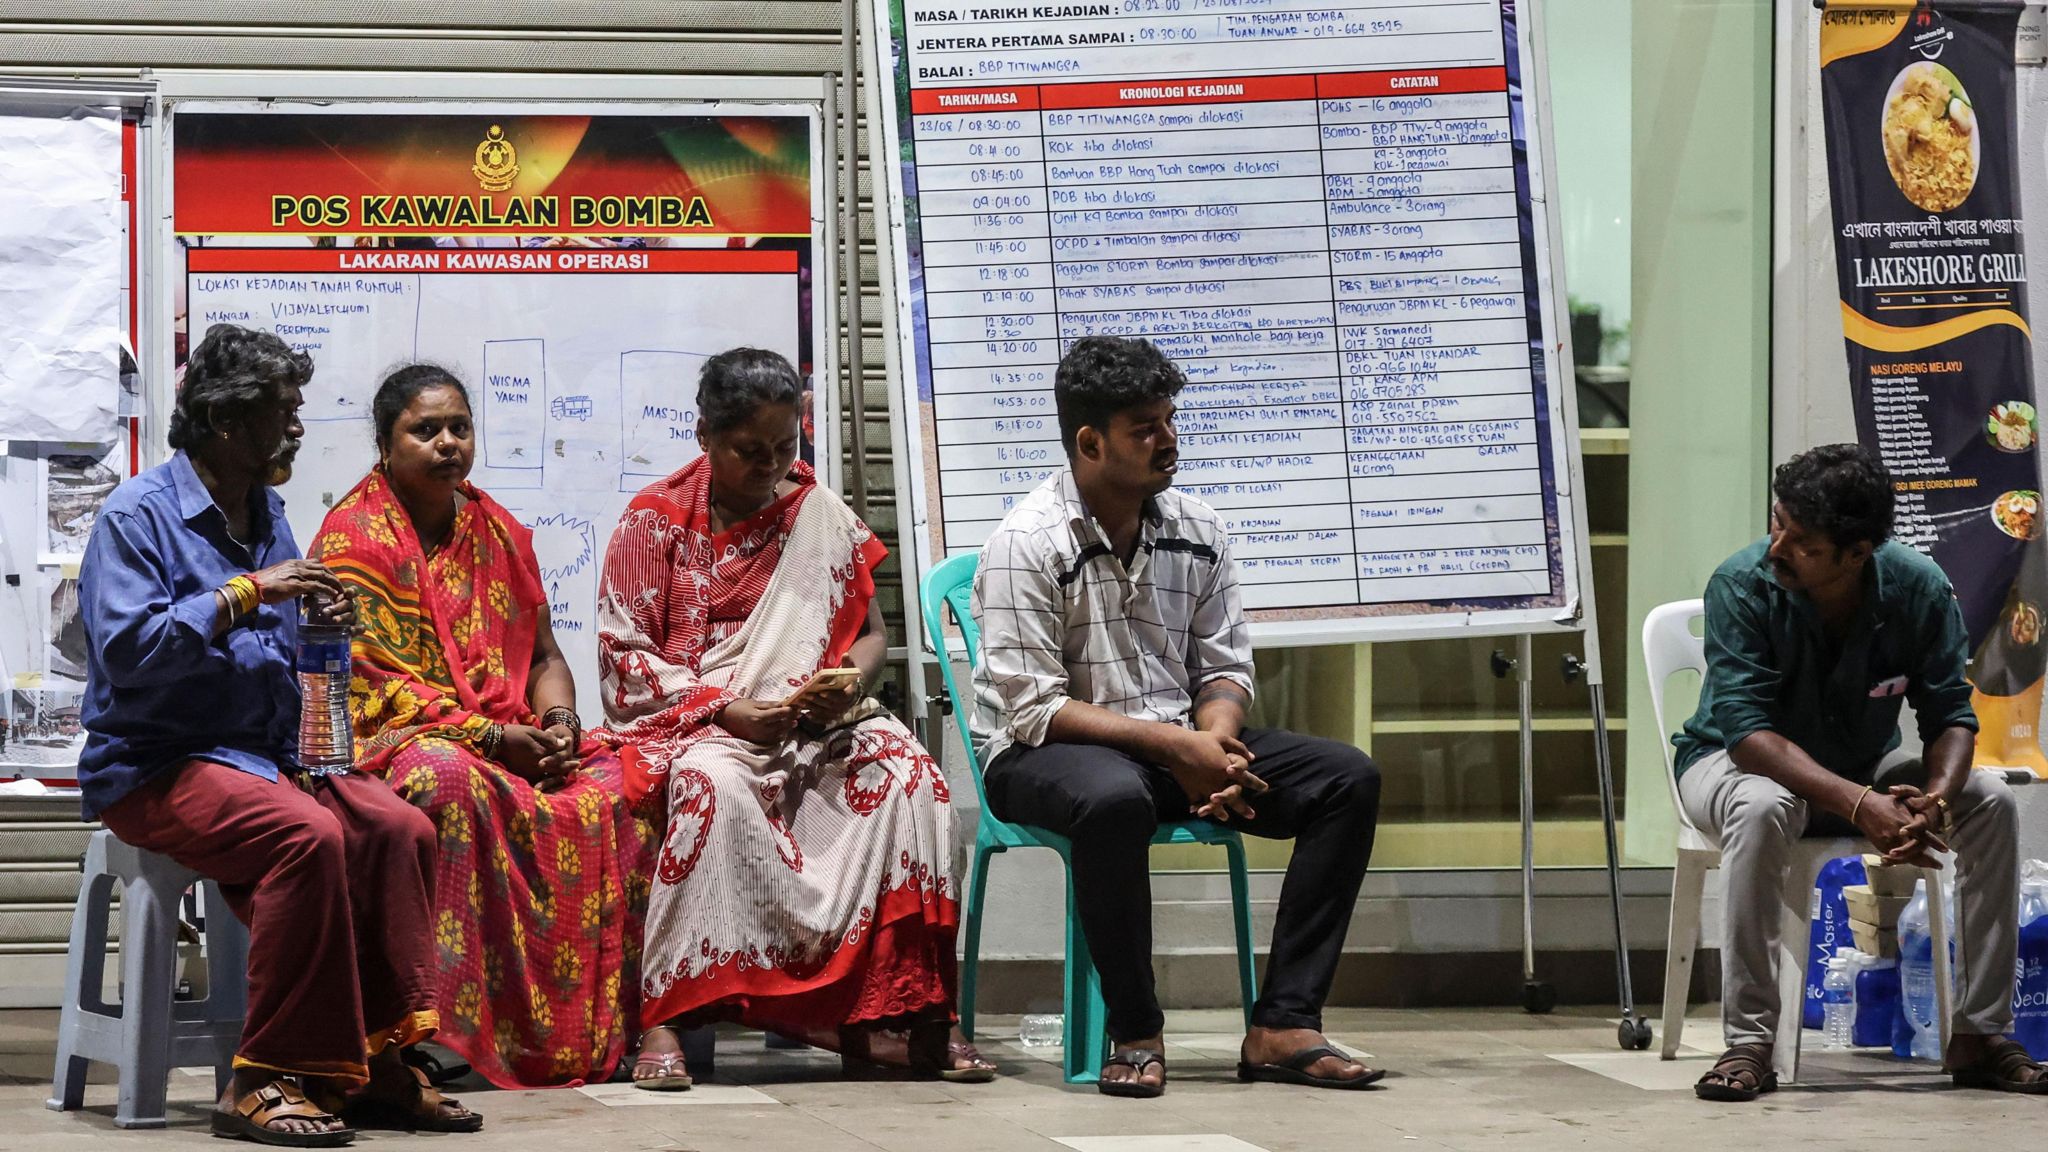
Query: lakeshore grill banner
1920, 110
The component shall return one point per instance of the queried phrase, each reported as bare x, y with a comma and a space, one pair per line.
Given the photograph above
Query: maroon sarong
335, 888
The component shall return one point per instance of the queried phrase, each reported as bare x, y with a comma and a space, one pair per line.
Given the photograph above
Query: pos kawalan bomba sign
1931, 259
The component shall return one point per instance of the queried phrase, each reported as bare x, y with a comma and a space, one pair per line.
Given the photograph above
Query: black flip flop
1293, 1071
1134, 1089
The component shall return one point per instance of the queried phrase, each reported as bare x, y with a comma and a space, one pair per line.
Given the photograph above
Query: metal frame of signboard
1578, 615
559, 94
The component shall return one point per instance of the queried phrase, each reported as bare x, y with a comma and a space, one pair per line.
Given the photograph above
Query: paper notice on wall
2031, 46
60, 296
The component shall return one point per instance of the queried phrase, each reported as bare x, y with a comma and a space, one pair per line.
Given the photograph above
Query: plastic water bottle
1838, 1000
1916, 979
2030, 990
326, 745
1042, 1030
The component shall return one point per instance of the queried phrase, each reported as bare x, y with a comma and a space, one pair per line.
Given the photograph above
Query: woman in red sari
463, 702
805, 885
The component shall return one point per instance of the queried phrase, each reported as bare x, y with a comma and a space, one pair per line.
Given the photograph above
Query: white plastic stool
149, 1032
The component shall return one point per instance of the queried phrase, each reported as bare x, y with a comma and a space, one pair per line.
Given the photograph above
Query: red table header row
1215, 90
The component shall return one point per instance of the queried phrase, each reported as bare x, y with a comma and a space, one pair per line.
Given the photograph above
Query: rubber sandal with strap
1294, 1070
924, 1038
2004, 1059
1135, 1089
670, 1075
279, 1100
423, 1113
1723, 1083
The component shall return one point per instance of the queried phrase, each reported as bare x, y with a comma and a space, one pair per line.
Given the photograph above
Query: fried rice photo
2018, 513
2025, 625
1930, 134
2012, 426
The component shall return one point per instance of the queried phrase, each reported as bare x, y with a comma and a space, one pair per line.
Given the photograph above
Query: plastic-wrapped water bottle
1042, 1030
1838, 1000
2030, 990
326, 745
1916, 979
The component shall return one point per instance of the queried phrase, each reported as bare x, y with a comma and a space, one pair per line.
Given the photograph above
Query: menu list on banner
1921, 113
1321, 215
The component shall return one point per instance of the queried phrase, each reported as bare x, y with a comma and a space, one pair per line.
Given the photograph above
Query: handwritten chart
1324, 215
583, 383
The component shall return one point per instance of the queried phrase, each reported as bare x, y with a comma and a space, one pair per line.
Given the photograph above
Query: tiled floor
1477, 1079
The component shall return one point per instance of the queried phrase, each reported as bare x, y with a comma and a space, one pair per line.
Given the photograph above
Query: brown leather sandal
279, 1100
426, 1111
1742, 1074
2004, 1059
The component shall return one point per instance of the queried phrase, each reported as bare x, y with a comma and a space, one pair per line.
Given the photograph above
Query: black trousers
1325, 796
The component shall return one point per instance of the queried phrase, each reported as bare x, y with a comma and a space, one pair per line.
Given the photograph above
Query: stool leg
85, 973
1241, 920
970, 961
149, 970
1084, 1036
1681, 944
227, 981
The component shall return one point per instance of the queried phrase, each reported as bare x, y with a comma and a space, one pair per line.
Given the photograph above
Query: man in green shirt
1815, 635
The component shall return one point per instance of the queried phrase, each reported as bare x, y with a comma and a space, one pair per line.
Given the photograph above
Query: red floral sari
801, 887
539, 894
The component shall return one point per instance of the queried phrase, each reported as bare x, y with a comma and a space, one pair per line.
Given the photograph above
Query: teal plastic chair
1087, 1046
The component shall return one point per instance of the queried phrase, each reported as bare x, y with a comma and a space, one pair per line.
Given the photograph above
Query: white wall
1590, 108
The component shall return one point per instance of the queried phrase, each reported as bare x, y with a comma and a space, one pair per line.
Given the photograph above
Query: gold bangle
1858, 806
241, 596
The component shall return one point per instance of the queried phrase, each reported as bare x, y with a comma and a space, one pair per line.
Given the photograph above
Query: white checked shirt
1062, 619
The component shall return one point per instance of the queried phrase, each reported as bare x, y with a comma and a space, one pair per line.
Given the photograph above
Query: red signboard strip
570, 260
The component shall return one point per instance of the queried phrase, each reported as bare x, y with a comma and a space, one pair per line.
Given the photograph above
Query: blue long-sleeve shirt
159, 687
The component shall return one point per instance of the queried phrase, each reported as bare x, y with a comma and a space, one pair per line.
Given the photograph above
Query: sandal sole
1994, 1084
1279, 1074
240, 1128
1729, 1094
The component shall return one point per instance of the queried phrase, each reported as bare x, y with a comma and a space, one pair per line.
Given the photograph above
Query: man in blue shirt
1814, 637
189, 591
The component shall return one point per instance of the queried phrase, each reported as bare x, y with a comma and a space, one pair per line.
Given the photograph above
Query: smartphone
825, 680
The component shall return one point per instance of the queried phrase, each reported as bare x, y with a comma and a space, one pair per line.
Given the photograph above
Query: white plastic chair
1669, 647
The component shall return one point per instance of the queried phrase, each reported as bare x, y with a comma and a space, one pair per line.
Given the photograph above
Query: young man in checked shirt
1110, 696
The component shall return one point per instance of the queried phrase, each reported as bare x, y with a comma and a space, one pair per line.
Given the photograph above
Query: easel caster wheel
1633, 1034
1538, 998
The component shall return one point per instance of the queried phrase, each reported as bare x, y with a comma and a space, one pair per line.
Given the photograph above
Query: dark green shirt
1771, 666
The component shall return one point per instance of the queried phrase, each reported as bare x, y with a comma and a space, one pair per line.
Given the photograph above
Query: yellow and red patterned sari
539, 895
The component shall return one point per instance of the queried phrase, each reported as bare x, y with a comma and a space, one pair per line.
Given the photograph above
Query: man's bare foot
1279, 1045
1152, 1075
659, 1066
249, 1081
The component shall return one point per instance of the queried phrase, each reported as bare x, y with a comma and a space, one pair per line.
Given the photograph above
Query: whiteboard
581, 364
1334, 220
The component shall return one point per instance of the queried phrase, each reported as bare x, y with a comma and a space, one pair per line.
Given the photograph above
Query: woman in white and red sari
805, 883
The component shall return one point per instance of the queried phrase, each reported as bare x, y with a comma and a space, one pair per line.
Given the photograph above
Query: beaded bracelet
566, 717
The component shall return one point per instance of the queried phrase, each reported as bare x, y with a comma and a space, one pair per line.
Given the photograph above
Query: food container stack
1874, 907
